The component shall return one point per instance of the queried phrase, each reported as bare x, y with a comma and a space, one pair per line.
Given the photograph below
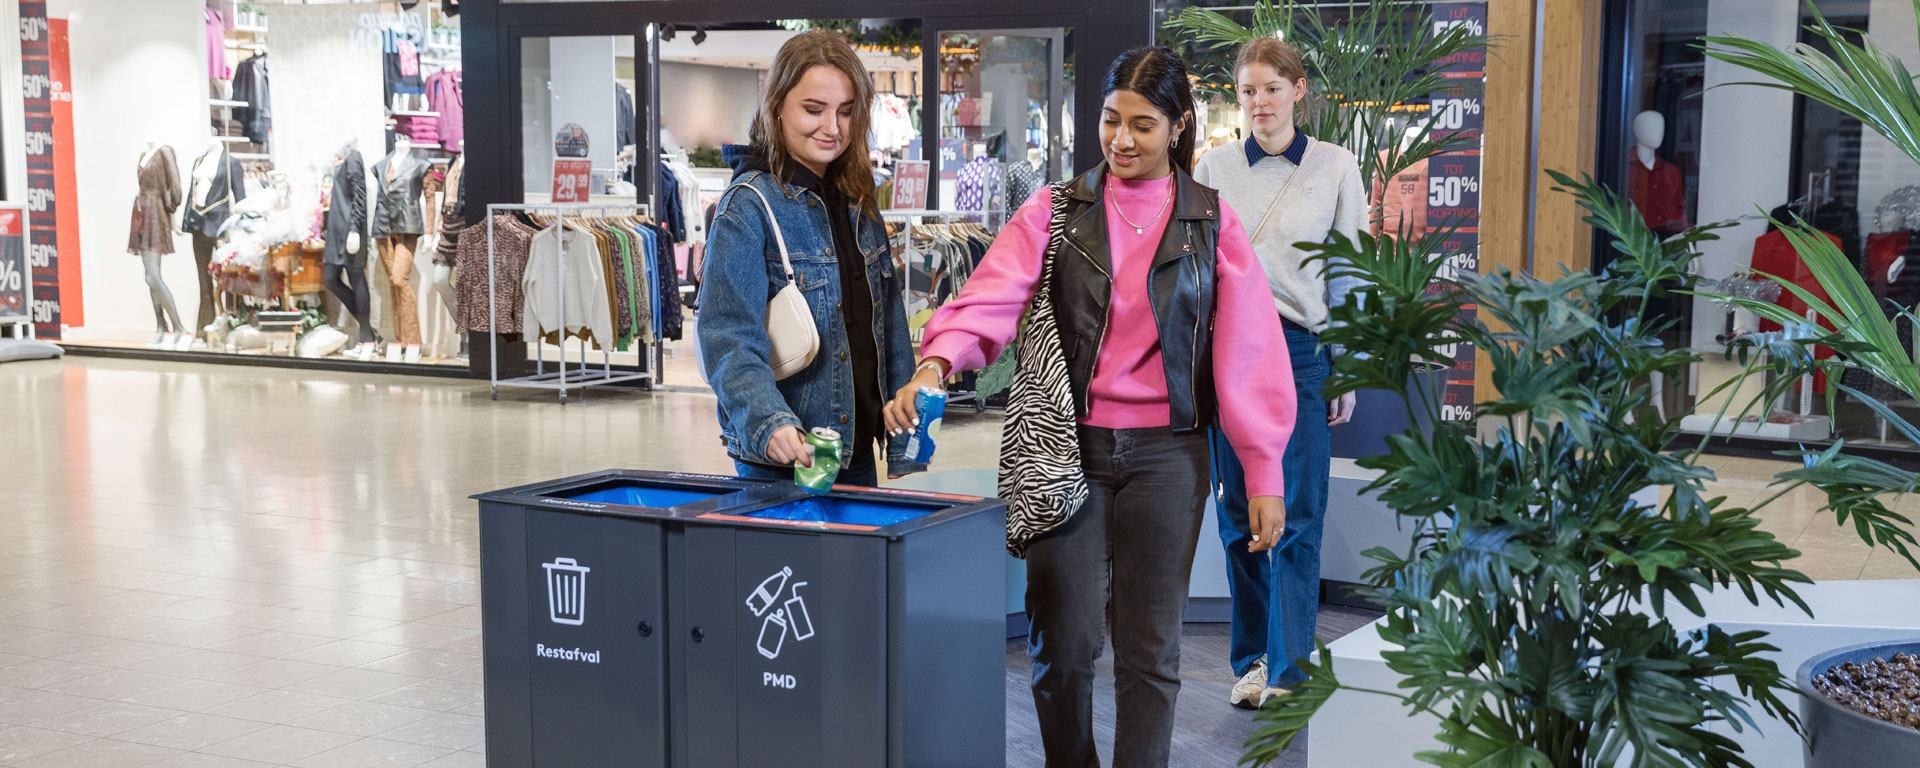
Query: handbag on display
1041, 477
792, 339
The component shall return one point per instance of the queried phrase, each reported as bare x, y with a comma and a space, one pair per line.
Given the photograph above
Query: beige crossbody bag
792, 339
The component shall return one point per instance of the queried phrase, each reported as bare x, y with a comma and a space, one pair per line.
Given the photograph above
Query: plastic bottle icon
773, 634
769, 591
797, 617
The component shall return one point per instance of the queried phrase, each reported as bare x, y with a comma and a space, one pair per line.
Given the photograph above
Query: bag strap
778, 239
1283, 189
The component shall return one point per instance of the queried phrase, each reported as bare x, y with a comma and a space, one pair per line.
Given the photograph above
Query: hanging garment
1402, 202
152, 226
670, 207
626, 128
217, 67
250, 85
574, 304
398, 80
512, 243
453, 218
209, 202
982, 185
444, 97
672, 320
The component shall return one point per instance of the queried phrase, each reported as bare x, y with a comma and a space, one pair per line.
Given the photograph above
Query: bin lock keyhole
699, 634
646, 629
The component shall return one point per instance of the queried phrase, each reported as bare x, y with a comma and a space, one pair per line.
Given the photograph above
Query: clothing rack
582, 376
910, 255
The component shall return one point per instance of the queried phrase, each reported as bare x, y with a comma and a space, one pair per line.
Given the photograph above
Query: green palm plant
1530, 614
1873, 86
1364, 66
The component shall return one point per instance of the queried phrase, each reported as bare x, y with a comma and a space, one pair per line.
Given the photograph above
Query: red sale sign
570, 178
910, 184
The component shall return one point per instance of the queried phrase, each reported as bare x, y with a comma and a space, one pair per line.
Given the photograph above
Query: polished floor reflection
219, 566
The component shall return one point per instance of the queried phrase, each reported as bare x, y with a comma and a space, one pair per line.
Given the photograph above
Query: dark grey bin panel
503, 551
598, 693
954, 645
802, 669
703, 649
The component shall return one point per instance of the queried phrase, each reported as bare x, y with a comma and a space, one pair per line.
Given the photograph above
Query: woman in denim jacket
822, 197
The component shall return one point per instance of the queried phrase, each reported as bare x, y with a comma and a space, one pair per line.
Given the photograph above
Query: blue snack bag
929, 404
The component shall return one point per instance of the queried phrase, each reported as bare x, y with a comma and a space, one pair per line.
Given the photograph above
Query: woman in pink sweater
1167, 327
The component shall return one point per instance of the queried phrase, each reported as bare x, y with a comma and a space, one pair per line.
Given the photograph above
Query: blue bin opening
844, 511
633, 494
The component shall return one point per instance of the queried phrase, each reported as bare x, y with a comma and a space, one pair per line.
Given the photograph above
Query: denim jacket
743, 272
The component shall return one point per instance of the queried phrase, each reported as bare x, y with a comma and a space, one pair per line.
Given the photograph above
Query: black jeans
1121, 560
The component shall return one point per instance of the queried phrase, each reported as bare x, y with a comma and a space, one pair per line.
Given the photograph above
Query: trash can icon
566, 591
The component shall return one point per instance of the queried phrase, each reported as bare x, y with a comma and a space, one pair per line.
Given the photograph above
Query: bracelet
933, 365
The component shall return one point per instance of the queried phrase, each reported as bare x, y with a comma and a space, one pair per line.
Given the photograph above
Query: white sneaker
1271, 693
1249, 693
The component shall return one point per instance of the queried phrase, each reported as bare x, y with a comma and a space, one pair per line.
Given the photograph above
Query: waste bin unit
691, 621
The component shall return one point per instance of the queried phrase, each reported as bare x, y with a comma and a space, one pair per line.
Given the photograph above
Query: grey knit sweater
1326, 197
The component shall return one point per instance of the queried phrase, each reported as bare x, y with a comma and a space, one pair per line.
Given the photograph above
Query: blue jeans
862, 472
1276, 594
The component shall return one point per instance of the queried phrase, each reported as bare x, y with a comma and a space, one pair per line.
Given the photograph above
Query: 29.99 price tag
570, 179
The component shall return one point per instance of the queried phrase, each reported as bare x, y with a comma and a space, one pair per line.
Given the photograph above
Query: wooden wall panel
1506, 149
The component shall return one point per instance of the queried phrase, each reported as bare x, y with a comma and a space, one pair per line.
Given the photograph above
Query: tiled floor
217, 566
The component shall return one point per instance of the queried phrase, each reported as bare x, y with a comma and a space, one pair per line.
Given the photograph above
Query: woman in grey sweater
1292, 189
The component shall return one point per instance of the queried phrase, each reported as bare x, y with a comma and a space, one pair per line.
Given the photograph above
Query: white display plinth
1356, 729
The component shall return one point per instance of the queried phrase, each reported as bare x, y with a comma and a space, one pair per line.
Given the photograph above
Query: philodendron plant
1531, 614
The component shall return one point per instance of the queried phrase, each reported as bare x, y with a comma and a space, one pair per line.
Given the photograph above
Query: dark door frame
491, 32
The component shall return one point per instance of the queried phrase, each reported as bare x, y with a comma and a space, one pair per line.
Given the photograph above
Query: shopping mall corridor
223, 566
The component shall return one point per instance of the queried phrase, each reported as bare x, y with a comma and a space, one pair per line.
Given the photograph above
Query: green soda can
825, 444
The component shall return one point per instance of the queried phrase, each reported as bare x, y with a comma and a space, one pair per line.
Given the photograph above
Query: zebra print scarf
1040, 474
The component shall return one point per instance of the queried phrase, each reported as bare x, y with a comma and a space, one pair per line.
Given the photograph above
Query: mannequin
452, 220
1025, 178
216, 184
345, 256
398, 223
150, 236
1401, 204
1653, 183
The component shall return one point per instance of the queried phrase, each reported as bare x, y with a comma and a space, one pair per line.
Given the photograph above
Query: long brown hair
852, 171
1284, 58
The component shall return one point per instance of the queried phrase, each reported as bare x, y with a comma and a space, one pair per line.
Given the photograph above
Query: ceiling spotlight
666, 33
699, 35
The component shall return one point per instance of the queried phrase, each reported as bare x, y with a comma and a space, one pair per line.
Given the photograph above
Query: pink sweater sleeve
970, 330
1252, 370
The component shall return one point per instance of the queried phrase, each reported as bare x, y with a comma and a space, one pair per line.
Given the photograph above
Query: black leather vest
1181, 288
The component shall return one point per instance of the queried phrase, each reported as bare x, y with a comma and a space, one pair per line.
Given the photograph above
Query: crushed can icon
566, 591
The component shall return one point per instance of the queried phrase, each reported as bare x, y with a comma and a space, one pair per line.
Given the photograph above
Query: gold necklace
1140, 229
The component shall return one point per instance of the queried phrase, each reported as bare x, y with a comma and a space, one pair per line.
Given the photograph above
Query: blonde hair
852, 171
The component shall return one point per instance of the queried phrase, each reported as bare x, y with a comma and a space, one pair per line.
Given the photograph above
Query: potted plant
1530, 614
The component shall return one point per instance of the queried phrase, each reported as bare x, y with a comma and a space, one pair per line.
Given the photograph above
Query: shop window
1690, 148
216, 137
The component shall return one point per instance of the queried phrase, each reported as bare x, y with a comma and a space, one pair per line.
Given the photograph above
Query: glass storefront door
1005, 126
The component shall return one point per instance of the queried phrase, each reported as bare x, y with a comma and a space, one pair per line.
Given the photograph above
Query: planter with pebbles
1861, 706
